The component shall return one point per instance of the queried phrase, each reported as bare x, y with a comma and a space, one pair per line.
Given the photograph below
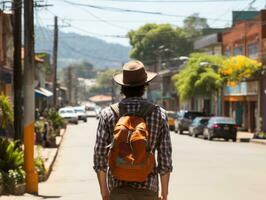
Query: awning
43, 92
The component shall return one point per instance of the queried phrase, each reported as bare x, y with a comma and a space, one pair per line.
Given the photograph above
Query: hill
74, 47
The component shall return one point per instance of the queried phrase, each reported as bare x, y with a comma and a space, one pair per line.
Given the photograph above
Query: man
133, 80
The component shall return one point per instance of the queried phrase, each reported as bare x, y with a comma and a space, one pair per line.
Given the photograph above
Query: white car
90, 111
80, 111
69, 114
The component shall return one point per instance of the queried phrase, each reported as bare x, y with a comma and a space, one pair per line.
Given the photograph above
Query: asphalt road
203, 170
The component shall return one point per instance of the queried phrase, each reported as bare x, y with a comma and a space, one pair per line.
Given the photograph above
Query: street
203, 170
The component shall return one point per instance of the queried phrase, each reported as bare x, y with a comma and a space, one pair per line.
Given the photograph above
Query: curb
49, 168
262, 142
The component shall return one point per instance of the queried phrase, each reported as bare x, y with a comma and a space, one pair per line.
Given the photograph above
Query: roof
244, 15
100, 98
43, 92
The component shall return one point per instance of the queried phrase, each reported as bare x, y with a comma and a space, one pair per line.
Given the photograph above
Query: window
238, 51
253, 50
227, 53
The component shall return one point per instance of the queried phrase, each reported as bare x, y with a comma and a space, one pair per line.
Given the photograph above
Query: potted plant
15, 182
12, 159
57, 121
1, 183
40, 168
6, 113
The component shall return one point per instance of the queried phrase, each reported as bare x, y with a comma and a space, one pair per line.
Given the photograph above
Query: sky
111, 20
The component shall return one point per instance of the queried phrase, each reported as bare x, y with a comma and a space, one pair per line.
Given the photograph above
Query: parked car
90, 111
184, 119
221, 127
80, 111
197, 126
171, 119
69, 114
98, 110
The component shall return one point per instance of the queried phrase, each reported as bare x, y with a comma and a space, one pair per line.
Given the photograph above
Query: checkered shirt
159, 140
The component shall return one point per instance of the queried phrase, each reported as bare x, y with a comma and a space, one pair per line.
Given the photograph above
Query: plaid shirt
159, 139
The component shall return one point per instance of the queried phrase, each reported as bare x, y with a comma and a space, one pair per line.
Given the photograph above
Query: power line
115, 9
85, 31
173, 1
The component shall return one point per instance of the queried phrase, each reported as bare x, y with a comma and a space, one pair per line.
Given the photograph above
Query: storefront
241, 103
6, 82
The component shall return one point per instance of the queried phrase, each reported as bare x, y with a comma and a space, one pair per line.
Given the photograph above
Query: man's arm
100, 156
164, 157
101, 175
164, 186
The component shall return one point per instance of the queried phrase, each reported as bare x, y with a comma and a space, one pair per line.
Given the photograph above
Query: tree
104, 83
147, 40
194, 25
238, 68
199, 77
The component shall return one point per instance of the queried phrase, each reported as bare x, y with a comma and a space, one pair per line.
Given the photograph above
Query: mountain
73, 47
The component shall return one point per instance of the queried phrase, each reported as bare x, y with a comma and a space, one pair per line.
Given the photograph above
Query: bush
40, 168
11, 155
1, 178
6, 112
16, 176
57, 121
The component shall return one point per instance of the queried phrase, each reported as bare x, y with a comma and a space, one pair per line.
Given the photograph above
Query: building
6, 55
247, 101
210, 44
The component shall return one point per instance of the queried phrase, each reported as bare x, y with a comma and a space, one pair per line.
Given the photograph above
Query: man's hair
137, 91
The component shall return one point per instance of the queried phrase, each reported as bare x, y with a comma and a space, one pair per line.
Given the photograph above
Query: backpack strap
146, 109
118, 109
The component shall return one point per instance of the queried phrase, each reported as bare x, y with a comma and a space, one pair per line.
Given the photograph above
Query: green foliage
84, 70
39, 126
16, 176
1, 178
11, 155
104, 82
57, 121
6, 111
39, 166
199, 77
194, 25
147, 40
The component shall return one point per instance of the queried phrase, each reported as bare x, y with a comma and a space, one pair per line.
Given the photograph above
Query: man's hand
105, 195
103, 185
162, 197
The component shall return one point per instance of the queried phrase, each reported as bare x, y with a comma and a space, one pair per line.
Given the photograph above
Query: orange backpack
130, 158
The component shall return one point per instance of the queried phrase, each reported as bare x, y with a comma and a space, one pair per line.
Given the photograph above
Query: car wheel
226, 139
85, 120
76, 122
234, 139
209, 136
180, 132
194, 134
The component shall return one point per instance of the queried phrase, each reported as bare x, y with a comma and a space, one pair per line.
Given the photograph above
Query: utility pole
18, 78
69, 85
29, 103
55, 49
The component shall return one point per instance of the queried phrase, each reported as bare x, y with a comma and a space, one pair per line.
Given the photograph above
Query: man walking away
128, 136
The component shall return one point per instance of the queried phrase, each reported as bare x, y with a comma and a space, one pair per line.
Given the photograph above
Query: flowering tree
238, 68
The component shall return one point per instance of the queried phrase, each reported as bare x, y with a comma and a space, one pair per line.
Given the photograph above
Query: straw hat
134, 74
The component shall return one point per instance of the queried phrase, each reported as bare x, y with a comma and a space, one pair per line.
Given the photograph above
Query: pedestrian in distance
129, 134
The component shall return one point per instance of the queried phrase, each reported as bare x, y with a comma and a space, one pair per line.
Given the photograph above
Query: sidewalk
249, 137
49, 154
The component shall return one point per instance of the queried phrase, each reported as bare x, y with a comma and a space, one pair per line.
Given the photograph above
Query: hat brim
119, 79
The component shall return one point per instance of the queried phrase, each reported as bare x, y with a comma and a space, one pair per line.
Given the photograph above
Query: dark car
221, 127
184, 120
197, 126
